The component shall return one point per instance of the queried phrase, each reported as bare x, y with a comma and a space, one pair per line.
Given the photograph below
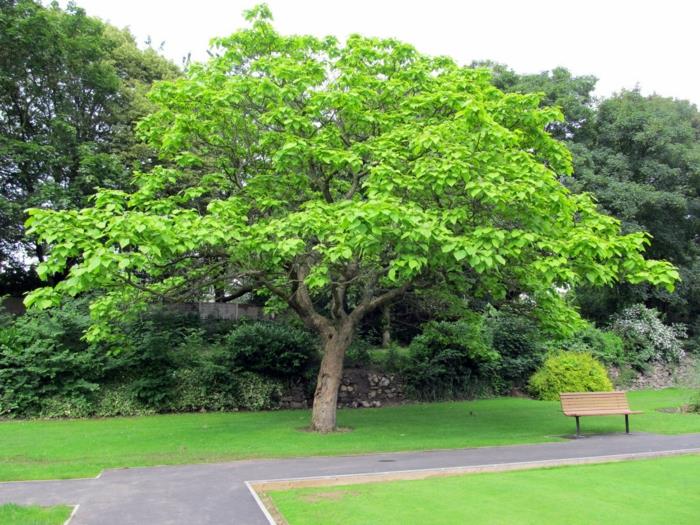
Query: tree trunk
323, 418
386, 326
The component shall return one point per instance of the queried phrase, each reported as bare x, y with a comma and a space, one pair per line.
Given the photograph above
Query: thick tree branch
302, 298
356, 178
367, 306
238, 293
321, 181
338, 289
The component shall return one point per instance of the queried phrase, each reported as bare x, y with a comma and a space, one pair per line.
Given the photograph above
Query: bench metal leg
578, 427
627, 423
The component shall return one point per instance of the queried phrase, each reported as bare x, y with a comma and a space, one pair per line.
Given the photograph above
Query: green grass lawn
81, 448
632, 492
19, 515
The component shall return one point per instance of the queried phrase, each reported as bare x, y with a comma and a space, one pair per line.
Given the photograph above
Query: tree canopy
332, 177
71, 89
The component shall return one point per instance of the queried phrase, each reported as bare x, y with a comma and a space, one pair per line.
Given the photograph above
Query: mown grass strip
82, 448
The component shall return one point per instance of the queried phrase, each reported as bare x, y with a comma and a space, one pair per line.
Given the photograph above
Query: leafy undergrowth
633, 492
82, 448
33, 515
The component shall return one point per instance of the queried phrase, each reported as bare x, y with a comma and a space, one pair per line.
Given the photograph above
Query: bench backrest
591, 401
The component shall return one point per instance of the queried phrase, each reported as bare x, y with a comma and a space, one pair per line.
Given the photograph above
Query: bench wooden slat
594, 402
588, 406
599, 412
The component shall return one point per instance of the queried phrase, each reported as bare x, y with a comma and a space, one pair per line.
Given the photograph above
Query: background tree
639, 156
71, 89
573, 95
332, 178
642, 163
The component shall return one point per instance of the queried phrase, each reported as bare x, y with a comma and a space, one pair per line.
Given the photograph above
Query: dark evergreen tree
71, 89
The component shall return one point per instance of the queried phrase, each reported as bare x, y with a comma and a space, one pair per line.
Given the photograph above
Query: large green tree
71, 89
333, 177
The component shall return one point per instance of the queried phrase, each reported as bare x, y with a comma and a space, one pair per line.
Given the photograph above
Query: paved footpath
217, 493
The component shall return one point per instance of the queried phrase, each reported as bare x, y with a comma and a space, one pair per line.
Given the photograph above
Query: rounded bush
647, 339
272, 349
569, 372
256, 392
450, 360
604, 345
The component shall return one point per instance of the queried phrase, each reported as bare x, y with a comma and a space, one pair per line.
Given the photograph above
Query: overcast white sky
622, 42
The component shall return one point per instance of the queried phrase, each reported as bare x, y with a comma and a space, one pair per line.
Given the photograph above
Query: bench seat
579, 404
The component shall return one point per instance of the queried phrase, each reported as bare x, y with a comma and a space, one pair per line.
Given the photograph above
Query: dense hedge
170, 362
489, 354
43, 357
165, 362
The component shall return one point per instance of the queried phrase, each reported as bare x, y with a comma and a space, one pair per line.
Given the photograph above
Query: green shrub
393, 360
358, 354
201, 378
518, 341
147, 356
692, 345
272, 349
604, 345
569, 372
362, 354
193, 393
164, 362
694, 405
170, 363
255, 392
43, 359
450, 360
647, 339
626, 376
65, 407
119, 400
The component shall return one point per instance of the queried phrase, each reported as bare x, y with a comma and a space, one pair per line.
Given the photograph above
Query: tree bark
386, 326
323, 417
336, 334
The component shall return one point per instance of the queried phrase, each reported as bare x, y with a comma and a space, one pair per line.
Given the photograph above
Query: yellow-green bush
569, 372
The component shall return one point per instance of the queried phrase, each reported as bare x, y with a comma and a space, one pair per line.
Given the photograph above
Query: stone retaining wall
359, 388
686, 373
369, 388
363, 388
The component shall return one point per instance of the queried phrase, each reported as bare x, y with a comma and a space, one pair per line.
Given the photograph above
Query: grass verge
33, 515
632, 492
82, 448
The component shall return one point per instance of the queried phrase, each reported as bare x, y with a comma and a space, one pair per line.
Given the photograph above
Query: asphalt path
217, 493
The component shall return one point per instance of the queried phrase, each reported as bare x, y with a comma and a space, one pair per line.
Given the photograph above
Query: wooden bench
577, 404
